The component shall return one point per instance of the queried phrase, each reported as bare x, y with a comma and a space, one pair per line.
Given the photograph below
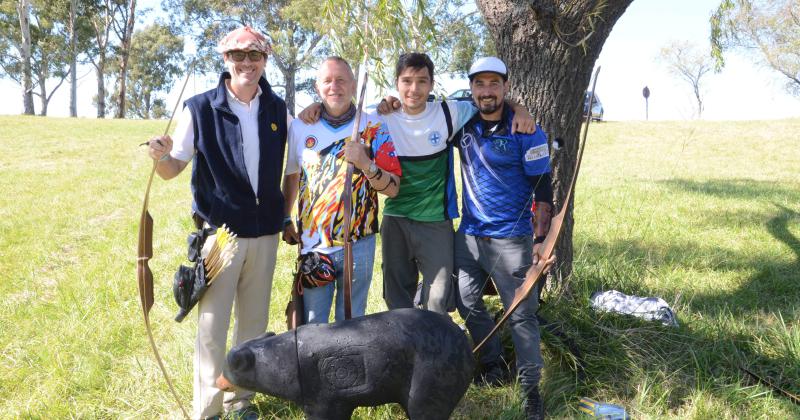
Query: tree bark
102, 25
73, 62
125, 47
23, 10
289, 76
101, 86
43, 95
550, 49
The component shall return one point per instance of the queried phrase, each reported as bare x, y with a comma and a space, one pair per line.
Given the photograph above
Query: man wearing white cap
501, 173
235, 135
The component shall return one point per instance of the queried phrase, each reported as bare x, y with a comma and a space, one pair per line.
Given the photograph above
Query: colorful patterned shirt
316, 151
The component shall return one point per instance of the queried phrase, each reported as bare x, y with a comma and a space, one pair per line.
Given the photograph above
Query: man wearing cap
235, 135
316, 166
501, 173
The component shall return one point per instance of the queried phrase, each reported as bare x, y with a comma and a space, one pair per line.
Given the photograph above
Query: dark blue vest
220, 184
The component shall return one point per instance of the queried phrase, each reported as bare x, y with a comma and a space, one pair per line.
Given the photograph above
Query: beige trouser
248, 281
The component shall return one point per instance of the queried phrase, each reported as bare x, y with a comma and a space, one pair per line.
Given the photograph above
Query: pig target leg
429, 402
322, 411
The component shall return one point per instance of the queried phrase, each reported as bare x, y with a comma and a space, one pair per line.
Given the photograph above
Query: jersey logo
536, 153
274, 127
311, 141
500, 146
435, 138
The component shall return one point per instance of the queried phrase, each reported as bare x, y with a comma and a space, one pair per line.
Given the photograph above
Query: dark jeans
506, 260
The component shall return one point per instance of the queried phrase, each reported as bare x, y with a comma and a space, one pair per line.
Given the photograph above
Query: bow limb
548, 247
145, 252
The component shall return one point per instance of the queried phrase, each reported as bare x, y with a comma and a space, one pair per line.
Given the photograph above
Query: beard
490, 107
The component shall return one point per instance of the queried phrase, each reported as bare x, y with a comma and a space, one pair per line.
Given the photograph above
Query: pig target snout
241, 360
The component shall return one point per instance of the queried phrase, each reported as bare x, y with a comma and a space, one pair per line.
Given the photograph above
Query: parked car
597, 107
461, 95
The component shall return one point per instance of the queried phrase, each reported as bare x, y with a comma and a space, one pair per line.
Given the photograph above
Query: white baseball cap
488, 64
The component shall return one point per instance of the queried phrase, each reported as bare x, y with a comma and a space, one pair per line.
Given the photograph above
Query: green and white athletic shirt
427, 189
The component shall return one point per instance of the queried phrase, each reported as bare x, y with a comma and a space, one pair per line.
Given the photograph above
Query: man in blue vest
501, 173
235, 136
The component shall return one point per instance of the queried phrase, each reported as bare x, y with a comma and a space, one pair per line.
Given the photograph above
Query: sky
744, 90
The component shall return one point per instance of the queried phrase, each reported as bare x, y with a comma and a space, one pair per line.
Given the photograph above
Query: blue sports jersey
495, 171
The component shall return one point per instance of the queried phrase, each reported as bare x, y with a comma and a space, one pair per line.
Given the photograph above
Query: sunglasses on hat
239, 55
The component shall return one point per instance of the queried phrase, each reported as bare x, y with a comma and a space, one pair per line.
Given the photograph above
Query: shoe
533, 407
247, 413
492, 374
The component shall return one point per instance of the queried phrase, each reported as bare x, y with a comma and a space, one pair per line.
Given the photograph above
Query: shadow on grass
744, 189
627, 359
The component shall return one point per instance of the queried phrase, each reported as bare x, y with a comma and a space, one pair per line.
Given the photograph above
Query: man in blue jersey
501, 173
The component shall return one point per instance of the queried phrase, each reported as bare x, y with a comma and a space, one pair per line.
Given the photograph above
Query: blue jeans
506, 260
317, 301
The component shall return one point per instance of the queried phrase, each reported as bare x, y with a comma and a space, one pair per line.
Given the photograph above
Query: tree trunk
147, 106
101, 31
73, 62
101, 86
550, 50
43, 95
125, 48
289, 76
23, 10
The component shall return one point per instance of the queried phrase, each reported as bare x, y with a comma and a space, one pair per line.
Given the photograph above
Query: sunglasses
238, 55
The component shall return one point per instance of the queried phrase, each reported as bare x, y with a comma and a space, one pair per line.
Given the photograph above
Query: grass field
703, 214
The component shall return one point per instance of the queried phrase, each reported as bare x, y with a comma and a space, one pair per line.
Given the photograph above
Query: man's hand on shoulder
523, 122
311, 113
388, 105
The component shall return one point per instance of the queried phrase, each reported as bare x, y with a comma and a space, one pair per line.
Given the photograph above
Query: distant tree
17, 46
71, 26
156, 60
101, 16
51, 54
40, 50
125, 13
768, 28
684, 61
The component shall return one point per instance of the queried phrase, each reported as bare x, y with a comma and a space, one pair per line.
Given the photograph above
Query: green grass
703, 214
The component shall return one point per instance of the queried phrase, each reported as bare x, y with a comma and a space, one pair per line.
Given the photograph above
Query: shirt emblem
311, 141
274, 127
435, 138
